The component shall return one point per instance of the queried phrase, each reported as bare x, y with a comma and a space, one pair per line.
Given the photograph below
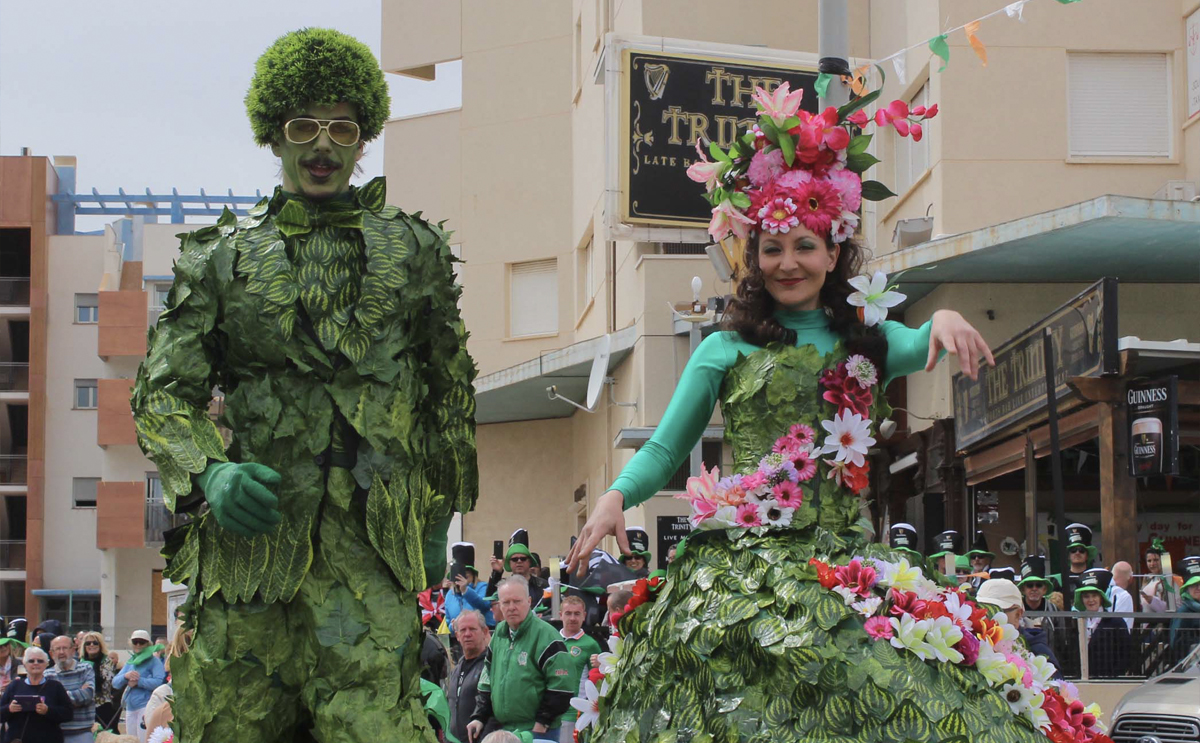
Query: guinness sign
669, 102
1153, 411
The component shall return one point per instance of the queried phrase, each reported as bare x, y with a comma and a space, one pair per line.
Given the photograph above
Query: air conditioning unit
1177, 191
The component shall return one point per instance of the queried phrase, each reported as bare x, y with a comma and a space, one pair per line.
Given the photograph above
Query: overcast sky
149, 94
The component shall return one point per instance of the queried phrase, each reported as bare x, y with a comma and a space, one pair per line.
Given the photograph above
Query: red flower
825, 574
857, 577
845, 392
934, 610
977, 617
931, 112
1058, 735
858, 118
856, 477
969, 647
595, 676
906, 602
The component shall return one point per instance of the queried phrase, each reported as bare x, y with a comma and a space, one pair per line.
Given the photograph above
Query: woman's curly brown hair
751, 312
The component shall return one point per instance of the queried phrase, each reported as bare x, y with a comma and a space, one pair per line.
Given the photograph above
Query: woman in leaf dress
778, 619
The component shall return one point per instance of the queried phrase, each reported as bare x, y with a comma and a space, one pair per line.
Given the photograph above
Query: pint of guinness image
1147, 445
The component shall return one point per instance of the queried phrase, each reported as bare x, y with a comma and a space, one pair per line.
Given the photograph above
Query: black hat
979, 546
536, 558
1033, 570
1003, 574
463, 554
639, 544
1080, 535
17, 628
946, 542
902, 537
1189, 568
1095, 580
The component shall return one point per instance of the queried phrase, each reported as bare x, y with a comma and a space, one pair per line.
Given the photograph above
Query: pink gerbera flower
747, 515
802, 433
879, 628
817, 205
788, 494
804, 463
778, 215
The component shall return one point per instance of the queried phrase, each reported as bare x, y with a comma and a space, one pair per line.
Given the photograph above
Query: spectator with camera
35, 706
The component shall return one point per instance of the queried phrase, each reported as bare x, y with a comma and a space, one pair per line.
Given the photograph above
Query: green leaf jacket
334, 333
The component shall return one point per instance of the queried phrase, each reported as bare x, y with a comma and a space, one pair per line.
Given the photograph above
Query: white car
1165, 709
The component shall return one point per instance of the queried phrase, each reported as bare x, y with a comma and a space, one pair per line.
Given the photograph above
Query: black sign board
1085, 344
671, 529
1153, 412
668, 103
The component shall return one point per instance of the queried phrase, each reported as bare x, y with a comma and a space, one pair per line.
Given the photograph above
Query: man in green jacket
526, 684
329, 321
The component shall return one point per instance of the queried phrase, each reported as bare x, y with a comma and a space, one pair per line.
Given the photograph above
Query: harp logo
655, 76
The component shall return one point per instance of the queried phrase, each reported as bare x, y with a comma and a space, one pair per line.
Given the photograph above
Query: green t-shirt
581, 649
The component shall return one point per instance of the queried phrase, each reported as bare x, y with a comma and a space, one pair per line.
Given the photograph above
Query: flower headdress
794, 167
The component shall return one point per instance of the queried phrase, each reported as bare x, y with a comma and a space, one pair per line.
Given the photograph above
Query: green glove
238, 495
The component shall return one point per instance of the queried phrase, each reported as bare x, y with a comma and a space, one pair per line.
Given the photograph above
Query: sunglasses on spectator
92, 642
1077, 550
139, 642
518, 558
35, 660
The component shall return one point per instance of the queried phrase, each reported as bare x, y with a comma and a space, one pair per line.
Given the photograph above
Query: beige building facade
1075, 102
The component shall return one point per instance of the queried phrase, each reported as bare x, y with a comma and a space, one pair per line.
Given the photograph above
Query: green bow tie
297, 217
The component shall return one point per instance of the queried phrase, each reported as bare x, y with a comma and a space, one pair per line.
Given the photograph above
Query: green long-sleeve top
695, 396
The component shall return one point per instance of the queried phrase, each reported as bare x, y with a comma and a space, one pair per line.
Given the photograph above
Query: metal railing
160, 520
14, 291
1150, 648
12, 554
12, 469
14, 377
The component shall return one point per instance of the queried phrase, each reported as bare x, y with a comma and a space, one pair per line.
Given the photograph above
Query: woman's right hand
608, 519
14, 707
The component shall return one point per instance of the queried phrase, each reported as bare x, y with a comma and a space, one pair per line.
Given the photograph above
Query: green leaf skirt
743, 644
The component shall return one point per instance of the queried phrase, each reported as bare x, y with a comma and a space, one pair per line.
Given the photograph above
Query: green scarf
144, 655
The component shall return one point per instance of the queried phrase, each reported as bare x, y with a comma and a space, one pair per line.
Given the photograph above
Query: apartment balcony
14, 382
14, 296
122, 331
114, 419
12, 559
120, 515
12, 470
160, 520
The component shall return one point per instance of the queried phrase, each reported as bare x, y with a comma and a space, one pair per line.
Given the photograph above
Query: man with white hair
34, 706
470, 627
77, 677
526, 683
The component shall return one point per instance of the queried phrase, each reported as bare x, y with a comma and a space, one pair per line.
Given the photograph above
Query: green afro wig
316, 66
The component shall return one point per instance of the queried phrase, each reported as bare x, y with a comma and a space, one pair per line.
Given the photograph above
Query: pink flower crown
796, 168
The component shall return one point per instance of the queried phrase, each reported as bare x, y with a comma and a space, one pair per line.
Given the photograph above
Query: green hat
979, 547
946, 542
1189, 568
1096, 581
516, 549
1156, 546
962, 562
316, 66
1080, 535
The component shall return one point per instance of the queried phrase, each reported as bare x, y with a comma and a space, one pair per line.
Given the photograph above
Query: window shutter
1119, 105
533, 302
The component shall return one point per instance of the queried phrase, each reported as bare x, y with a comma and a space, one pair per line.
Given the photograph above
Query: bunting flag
1016, 10
972, 29
858, 82
898, 66
938, 46
822, 84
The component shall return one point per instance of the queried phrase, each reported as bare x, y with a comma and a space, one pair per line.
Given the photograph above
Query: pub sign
1153, 420
669, 102
671, 530
1084, 339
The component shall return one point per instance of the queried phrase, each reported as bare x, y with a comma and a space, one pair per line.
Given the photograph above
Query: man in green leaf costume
329, 320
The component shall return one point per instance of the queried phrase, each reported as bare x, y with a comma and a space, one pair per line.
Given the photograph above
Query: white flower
861, 370
994, 667
909, 633
959, 612
1018, 697
899, 575
943, 634
1036, 714
1043, 672
874, 297
724, 518
850, 436
847, 595
867, 606
161, 734
1010, 631
588, 706
772, 515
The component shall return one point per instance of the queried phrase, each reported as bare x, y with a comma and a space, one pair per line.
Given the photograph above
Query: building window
83, 492
1142, 84
158, 291
86, 394
533, 298
159, 519
585, 276
76, 613
912, 158
87, 308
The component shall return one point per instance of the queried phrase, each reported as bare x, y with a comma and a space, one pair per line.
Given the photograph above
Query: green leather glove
239, 497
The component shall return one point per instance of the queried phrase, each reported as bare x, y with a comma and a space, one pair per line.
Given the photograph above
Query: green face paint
319, 169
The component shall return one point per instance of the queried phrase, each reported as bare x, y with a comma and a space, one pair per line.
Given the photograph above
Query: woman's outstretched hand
608, 519
951, 332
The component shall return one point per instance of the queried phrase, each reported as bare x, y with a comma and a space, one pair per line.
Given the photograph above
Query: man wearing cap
330, 320
142, 674
1036, 587
981, 560
947, 543
466, 592
1080, 554
1003, 594
638, 559
1107, 637
1185, 630
518, 560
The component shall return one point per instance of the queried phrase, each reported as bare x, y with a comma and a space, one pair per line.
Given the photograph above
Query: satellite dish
599, 371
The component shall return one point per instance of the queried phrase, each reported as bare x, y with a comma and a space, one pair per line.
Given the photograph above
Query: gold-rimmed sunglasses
303, 131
